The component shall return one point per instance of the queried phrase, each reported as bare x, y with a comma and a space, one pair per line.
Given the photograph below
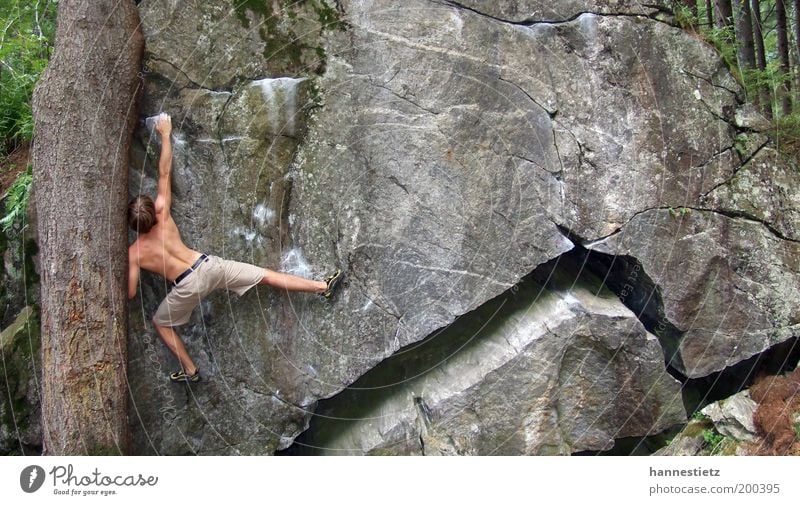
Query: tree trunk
85, 111
765, 93
746, 53
724, 13
796, 68
783, 54
709, 14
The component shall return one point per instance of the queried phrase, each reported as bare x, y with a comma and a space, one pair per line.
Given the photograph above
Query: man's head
141, 214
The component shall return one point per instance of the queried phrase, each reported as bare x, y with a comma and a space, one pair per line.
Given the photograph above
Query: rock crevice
532, 339
556, 19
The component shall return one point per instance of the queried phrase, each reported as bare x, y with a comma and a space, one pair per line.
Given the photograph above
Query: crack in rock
736, 170
426, 366
534, 22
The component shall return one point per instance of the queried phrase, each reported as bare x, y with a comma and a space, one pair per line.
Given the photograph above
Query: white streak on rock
280, 99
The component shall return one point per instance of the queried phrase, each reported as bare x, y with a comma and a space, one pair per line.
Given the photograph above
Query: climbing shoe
182, 376
332, 282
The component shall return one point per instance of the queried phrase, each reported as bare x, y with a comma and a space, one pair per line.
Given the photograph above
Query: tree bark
709, 13
765, 93
796, 67
745, 44
744, 35
783, 54
724, 13
84, 115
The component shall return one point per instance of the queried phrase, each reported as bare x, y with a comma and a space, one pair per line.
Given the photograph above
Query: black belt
189, 270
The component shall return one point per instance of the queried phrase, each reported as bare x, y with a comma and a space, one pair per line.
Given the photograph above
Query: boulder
733, 417
439, 153
555, 366
725, 287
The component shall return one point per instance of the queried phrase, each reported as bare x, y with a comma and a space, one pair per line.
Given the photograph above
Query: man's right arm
164, 198
133, 272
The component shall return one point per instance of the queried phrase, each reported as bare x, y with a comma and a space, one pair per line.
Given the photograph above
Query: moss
323, 60
20, 355
314, 93
31, 276
288, 8
740, 144
727, 447
3, 248
261, 8
281, 42
696, 428
328, 17
281, 45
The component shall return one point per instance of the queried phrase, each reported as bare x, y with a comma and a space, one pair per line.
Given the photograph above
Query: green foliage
713, 439
683, 16
17, 199
741, 143
259, 8
283, 29
679, 211
761, 86
27, 29
328, 17
723, 40
785, 133
314, 94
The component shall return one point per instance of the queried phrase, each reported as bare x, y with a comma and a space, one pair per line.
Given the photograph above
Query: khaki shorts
214, 273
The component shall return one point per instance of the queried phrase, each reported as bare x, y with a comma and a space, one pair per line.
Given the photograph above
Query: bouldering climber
192, 275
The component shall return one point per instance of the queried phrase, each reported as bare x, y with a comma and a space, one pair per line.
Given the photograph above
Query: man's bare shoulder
133, 252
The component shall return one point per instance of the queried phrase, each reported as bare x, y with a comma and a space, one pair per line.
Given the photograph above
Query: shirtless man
159, 249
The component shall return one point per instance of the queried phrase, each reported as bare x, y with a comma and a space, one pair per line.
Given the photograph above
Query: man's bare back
161, 250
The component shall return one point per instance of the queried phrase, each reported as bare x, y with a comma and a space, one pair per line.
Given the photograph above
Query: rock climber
192, 275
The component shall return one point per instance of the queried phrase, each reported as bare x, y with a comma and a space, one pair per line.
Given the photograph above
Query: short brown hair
141, 214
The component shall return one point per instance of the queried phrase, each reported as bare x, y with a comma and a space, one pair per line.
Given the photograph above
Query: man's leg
290, 282
175, 344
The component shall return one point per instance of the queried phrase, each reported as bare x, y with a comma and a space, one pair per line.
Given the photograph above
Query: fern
17, 199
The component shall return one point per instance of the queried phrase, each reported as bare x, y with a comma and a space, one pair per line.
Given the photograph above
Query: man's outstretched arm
164, 198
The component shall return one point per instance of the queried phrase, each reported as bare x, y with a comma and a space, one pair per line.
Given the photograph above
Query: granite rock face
726, 285
558, 365
439, 153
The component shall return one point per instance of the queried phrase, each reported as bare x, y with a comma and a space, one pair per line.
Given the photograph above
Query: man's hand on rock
164, 124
